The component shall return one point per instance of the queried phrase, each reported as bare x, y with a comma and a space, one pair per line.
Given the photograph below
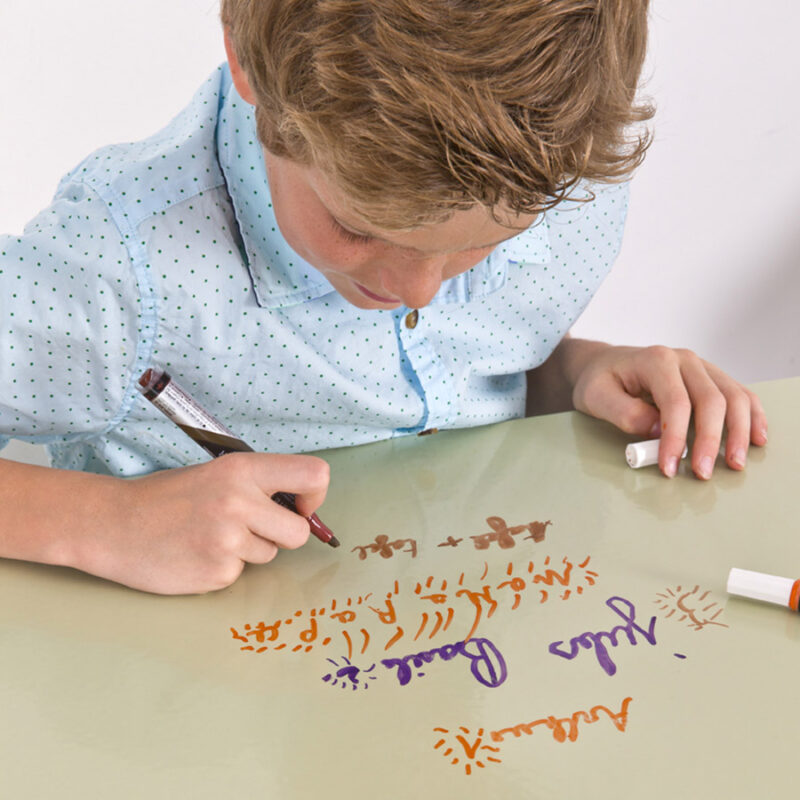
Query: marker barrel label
196, 422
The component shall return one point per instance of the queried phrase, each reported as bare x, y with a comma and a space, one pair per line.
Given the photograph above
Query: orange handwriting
472, 749
570, 732
434, 606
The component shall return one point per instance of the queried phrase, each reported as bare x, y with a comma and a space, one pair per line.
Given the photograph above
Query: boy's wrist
550, 386
576, 355
55, 516
104, 514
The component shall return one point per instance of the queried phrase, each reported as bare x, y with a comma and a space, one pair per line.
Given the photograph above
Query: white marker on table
769, 588
645, 454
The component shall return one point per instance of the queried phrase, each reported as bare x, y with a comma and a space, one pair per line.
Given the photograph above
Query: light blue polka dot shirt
166, 253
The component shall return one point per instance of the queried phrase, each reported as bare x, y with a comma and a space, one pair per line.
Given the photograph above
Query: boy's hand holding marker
208, 520
196, 527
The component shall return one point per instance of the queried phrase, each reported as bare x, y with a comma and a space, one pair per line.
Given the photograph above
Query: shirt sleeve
586, 238
68, 322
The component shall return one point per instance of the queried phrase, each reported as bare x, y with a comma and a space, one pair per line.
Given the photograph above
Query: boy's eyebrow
351, 229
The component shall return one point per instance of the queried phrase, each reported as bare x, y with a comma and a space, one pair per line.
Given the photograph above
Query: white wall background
711, 255
712, 246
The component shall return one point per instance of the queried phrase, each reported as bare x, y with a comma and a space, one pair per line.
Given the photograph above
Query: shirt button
412, 318
428, 432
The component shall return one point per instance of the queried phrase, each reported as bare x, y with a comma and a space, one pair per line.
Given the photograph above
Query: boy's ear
237, 73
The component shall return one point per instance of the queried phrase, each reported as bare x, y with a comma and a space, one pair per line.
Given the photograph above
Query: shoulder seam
148, 316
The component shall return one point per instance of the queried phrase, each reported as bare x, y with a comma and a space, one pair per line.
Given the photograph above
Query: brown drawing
501, 535
696, 609
385, 548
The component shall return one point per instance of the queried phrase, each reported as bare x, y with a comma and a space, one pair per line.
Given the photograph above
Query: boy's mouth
373, 296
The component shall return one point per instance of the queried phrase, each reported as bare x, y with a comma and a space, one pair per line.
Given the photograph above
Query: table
514, 612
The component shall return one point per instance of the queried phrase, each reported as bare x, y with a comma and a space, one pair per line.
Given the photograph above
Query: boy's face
370, 267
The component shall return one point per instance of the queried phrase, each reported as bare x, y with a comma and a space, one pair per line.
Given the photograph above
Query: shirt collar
282, 278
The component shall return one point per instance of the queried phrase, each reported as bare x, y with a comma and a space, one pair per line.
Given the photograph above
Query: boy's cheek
463, 262
308, 240
325, 253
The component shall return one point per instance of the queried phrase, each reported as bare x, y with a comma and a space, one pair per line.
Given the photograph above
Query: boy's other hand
192, 529
653, 392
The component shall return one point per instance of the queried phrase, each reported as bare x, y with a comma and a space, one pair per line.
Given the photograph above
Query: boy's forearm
50, 514
178, 531
550, 386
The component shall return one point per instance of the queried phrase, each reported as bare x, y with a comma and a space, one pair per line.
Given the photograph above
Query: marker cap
645, 454
758, 586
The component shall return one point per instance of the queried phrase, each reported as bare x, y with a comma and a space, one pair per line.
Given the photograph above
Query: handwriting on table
350, 675
692, 606
466, 747
504, 536
591, 640
486, 663
432, 607
386, 549
500, 534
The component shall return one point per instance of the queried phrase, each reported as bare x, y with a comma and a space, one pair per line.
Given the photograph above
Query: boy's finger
279, 527
666, 385
739, 424
633, 415
710, 410
607, 399
745, 418
257, 550
306, 477
758, 420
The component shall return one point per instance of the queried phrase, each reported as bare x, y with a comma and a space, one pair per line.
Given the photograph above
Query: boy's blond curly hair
417, 108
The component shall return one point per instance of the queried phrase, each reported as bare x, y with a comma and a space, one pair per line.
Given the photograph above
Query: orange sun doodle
466, 746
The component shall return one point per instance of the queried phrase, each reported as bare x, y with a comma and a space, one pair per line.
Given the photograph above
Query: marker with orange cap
769, 588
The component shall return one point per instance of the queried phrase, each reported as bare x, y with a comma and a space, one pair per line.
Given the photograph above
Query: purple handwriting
349, 675
486, 662
589, 640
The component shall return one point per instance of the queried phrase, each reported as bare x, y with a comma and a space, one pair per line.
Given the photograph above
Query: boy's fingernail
655, 431
764, 434
738, 458
705, 468
671, 467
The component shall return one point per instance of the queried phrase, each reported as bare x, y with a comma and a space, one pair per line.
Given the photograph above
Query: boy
380, 218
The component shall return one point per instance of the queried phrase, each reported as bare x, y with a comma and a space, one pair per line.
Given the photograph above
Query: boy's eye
349, 236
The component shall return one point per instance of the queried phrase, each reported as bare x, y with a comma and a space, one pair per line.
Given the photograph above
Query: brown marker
212, 435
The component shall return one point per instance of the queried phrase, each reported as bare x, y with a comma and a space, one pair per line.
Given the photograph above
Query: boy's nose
415, 281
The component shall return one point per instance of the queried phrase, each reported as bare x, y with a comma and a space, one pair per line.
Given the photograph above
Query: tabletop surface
513, 612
